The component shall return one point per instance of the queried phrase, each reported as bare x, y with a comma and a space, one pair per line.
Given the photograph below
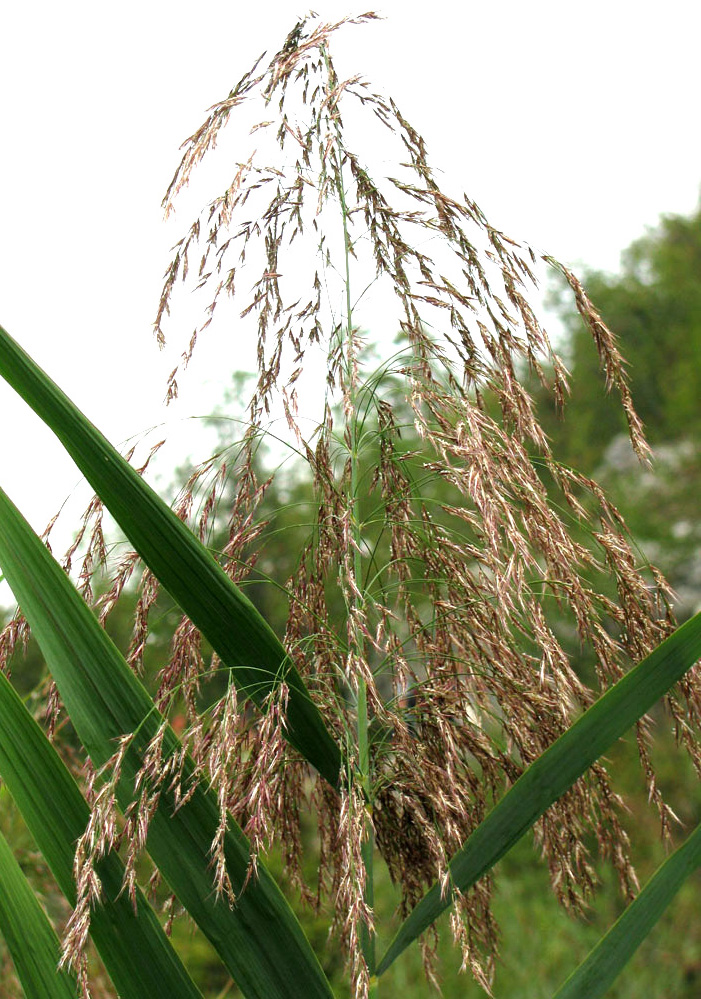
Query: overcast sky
573, 127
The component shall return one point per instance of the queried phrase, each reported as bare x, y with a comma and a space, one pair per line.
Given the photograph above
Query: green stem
367, 935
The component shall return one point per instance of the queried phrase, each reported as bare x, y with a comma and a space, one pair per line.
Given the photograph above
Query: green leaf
596, 973
553, 773
259, 939
138, 956
232, 625
30, 938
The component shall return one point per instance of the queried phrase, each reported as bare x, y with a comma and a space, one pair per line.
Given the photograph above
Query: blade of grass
137, 954
232, 625
553, 773
596, 973
30, 937
259, 939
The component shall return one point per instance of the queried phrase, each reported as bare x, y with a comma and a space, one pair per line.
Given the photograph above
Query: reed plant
419, 703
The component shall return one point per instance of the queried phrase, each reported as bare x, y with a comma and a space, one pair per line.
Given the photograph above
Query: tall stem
362, 723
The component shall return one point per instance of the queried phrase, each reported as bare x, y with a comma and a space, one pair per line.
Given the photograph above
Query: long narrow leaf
234, 628
554, 772
259, 939
30, 938
136, 952
596, 973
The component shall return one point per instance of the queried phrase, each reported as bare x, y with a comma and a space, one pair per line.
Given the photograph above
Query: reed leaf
608, 958
137, 954
225, 616
259, 938
553, 773
30, 938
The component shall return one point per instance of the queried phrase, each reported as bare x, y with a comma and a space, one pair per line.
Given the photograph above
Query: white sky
571, 126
